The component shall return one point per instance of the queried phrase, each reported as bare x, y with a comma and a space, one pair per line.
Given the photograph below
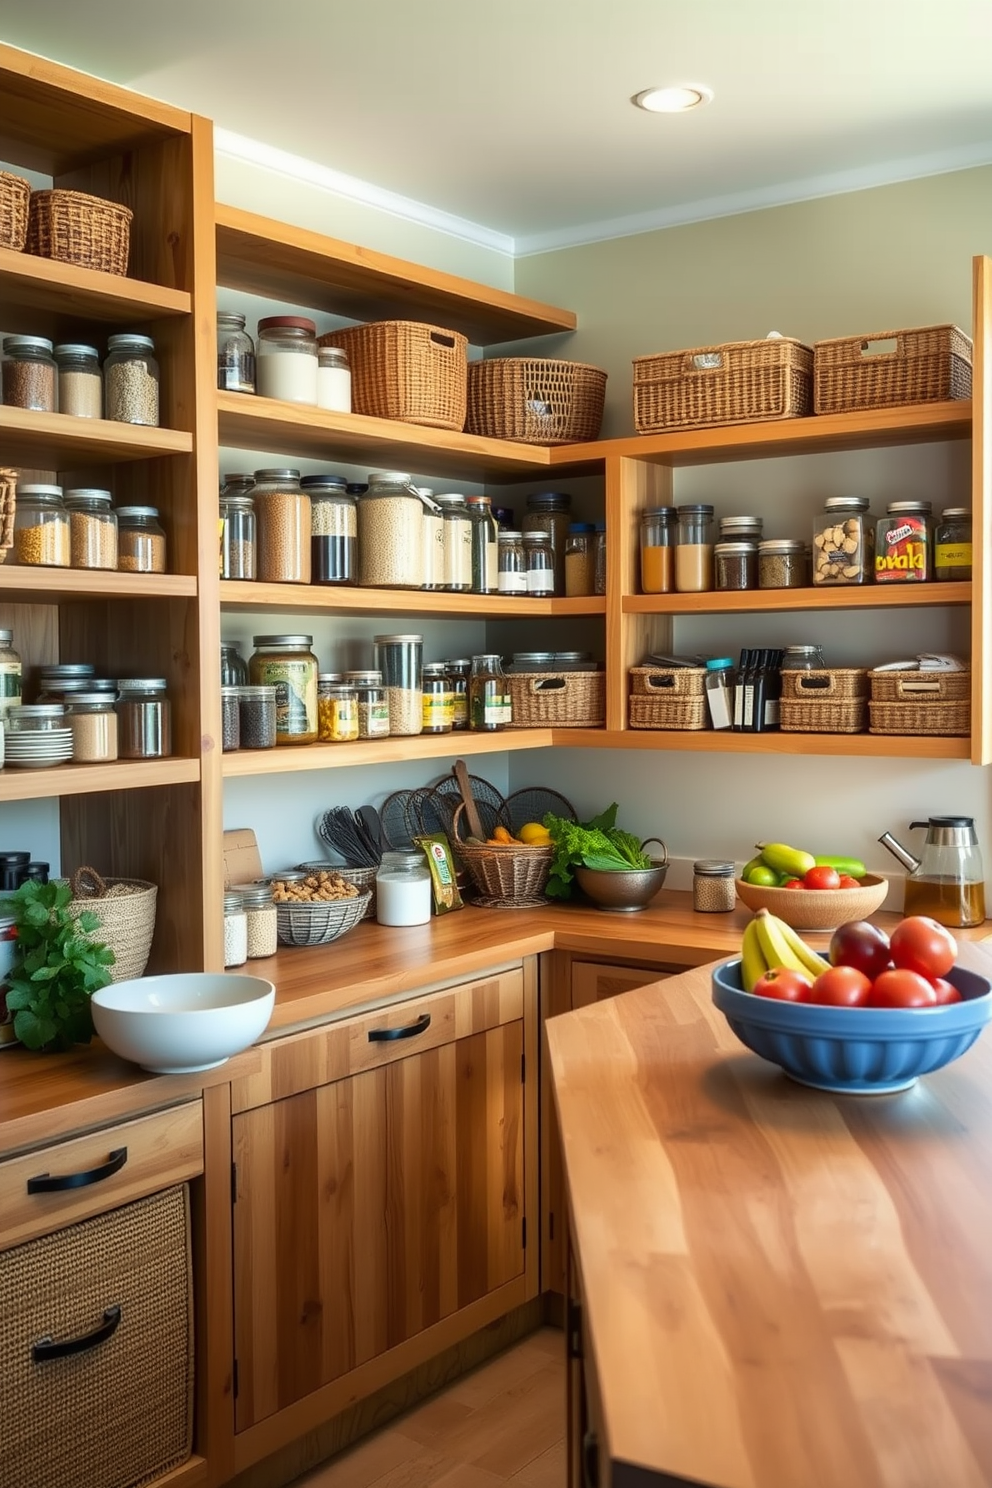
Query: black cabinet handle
590, 1460
383, 1035
45, 1349
45, 1183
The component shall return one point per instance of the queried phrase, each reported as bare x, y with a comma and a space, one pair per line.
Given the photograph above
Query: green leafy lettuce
599, 843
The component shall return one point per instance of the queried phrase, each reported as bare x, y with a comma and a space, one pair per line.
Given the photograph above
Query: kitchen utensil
946, 881
339, 830
816, 909
471, 810
369, 818
397, 831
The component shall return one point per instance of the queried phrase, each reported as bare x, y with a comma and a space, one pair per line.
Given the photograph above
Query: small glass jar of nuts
844, 542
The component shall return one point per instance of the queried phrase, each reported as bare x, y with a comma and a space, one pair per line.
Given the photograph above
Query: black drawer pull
45, 1183
45, 1349
383, 1035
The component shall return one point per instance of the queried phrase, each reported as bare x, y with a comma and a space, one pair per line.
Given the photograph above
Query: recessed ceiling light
673, 100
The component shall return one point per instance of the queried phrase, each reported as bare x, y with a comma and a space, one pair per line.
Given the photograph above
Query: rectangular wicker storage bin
937, 703
667, 682
738, 383
15, 193
401, 369
535, 400
76, 228
557, 699
834, 701
118, 1413
667, 698
927, 364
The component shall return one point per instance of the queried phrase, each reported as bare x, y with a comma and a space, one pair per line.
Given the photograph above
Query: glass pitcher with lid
947, 881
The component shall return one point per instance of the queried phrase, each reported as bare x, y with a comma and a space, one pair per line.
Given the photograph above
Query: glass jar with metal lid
549, 512
41, 527
257, 716
390, 533
287, 663
713, 889
782, 563
92, 529
28, 373
35, 718
131, 380
58, 679
485, 548
373, 704
286, 360
333, 530
488, 693
694, 549
511, 577
262, 919
459, 669
333, 379
844, 542
904, 543
235, 354
735, 565
657, 545
802, 659
93, 720
741, 529
403, 889
233, 667
230, 719
952, 544
438, 699
10, 674
337, 709
235, 929
80, 381
400, 660
457, 542
238, 538
141, 545
540, 565
144, 718
580, 566
282, 512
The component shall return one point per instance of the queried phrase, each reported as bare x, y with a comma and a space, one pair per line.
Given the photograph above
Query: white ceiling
514, 115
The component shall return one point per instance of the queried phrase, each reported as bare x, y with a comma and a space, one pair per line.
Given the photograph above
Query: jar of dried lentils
283, 514
131, 377
29, 373
92, 529
140, 540
93, 721
41, 527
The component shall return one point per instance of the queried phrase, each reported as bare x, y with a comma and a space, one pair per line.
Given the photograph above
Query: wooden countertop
782, 1288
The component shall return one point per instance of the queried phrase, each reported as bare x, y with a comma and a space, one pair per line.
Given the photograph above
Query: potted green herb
57, 966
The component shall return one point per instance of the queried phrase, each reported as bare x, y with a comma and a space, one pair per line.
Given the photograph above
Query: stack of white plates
33, 749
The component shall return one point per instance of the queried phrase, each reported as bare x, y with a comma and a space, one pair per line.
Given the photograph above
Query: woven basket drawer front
122, 1163
119, 1413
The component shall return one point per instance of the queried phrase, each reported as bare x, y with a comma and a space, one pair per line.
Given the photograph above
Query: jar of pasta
41, 527
337, 710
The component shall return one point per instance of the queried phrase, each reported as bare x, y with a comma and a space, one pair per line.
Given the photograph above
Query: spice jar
41, 527
230, 719
741, 529
235, 354
333, 530
459, 669
548, 512
141, 544
35, 718
283, 517
485, 548
80, 381
512, 574
58, 680
438, 700
802, 659
599, 559
952, 544
257, 716
903, 552
694, 549
287, 663
580, 576
92, 529
399, 658
144, 718
713, 889
457, 541
540, 565
93, 721
488, 694
719, 688
844, 542
131, 377
403, 889
432, 539
235, 929
735, 565
333, 379
286, 364
233, 667
262, 919
28, 373
337, 710
373, 704
657, 525
782, 564
390, 533
10, 675
238, 542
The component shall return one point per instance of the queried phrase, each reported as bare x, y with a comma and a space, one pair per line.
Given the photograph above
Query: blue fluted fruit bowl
857, 1051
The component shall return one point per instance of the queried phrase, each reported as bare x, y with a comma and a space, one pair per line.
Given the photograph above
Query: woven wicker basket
916, 686
937, 703
8, 502
535, 400
15, 193
75, 228
557, 699
833, 701
125, 908
401, 369
362, 878
321, 922
668, 713
738, 383
667, 683
927, 364
504, 875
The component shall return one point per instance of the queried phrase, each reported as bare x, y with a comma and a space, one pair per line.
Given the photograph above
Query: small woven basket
321, 922
917, 686
832, 701
667, 713
8, 502
926, 364
125, 908
937, 703
15, 194
739, 382
535, 400
362, 878
557, 699
504, 875
667, 682
76, 228
401, 369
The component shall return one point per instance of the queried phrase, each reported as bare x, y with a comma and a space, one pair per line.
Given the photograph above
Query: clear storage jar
373, 704
403, 889
438, 710
80, 380
10, 674
782, 563
235, 929
131, 380
657, 544
286, 359
735, 565
390, 533
802, 659
235, 354
262, 920
233, 667
844, 542
144, 718
92, 529
257, 716
238, 538
333, 530
287, 663
337, 710
230, 719
141, 544
41, 527
432, 530
904, 543
488, 695
952, 544
400, 659
539, 562
741, 529
485, 548
283, 517
93, 720
28, 373
694, 549
459, 671
580, 563
333, 379
511, 577
550, 512
35, 718
457, 542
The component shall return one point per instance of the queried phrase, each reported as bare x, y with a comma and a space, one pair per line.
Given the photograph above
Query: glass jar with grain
390, 533
580, 576
144, 718
235, 929
735, 565
287, 663
283, 517
141, 544
257, 716
262, 918
549, 512
230, 719
400, 659
658, 528
92, 529
131, 380
333, 530
781, 563
238, 540
28, 373
694, 549
286, 361
93, 721
41, 527
80, 381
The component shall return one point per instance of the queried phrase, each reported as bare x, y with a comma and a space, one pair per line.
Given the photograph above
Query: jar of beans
579, 564
257, 716
237, 539
131, 378
337, 710
286, 365
80, 381
29, 373
92, 529
373, 704
262, 917
41, 527
140, 540
333, 530
548, 512
144, 718
390, 534
287, 663
735, 565
93, 721
782, 563
283, 514
230, 719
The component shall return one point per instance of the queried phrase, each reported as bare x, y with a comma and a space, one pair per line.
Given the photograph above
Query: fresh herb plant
57, 966
599, 843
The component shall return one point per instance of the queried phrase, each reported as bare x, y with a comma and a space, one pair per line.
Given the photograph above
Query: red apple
860, 943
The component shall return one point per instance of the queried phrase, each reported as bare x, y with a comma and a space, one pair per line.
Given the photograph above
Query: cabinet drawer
55, 1186
304, 1061
594, 980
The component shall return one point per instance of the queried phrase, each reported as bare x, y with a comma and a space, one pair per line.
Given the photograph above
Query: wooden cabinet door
369, 1208
592, 981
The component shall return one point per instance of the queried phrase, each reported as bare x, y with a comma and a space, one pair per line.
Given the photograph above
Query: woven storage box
125, 908
403, 370
916, 702
557, 699
15, 194
668, 713
535, 400
667, 682
79, 229
834, 701
928, 364
119, 1414
738, 383
8, 489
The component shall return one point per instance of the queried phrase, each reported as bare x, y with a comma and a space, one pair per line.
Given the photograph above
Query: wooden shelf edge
396, 750
45, 282
764, 601
709, 741
248, 595
69, 437
79, 780
49, 585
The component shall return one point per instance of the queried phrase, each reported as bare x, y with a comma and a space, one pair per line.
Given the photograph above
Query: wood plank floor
503, 1423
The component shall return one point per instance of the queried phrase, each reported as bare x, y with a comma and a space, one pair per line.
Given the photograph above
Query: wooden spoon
471, 810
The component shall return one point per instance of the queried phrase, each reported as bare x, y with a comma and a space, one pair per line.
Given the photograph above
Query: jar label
10, 682
512, 583
954, 555
459, 709
902, 551
295, 683
438, 711
378, 719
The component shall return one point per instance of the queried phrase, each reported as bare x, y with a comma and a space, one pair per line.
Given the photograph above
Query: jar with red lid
286, 359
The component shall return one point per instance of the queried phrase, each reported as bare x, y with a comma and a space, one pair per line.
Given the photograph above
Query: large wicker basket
667, 698
15, 193
535, 400
125, 908
738, 383
915, 702
557, 699
75, 228
505, 875
926, 364
401, 369
831, 701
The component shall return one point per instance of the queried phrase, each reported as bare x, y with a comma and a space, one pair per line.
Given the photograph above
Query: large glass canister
457, 540
694, 549
658, 529
488, 694
238, 538
92, 529
286, 359
144, 718
282, 513
400, 659
403, 889
549, 512
333, 530
41, 527
80, 380
141, 544
235, 354
390, 533
131, 380
512, 575
844, 542
485, 549
287, 663
28, 373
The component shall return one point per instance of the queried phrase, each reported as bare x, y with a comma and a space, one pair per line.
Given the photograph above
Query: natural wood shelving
709, 741
758, 601
52, 585
57, 441
79, 780
307, 598
41, 284
395, 750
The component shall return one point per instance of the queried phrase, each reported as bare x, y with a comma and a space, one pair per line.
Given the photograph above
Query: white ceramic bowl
173, 1025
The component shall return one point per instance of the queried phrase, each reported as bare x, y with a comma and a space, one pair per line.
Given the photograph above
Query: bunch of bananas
770, 942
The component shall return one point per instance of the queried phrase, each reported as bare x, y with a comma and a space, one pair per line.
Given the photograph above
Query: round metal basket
321, 922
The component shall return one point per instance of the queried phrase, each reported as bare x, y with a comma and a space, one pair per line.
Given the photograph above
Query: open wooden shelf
709, 741
58, 441
401, 750
263, 257
41, 284
305, 598
52, 585
79, 780
764, 601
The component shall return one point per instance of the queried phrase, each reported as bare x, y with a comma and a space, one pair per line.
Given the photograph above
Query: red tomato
783, 983
847, 882
860, 943
822, 878
920, 944
794, 883
946, 992
843, 986
902, 989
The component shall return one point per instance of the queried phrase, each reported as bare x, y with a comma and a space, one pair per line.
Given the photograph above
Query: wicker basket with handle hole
506, 875
125, 908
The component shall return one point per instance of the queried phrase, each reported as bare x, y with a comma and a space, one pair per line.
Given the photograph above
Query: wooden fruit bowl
816, 909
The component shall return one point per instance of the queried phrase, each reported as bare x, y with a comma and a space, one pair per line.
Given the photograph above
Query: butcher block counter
780, 1288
